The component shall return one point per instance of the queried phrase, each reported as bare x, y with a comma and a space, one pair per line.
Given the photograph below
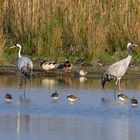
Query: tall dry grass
64, 28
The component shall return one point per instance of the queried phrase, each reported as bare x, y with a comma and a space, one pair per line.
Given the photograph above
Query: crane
25, 65
118, 69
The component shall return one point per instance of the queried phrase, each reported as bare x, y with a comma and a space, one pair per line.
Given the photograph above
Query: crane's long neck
129, 55
129, 51
19, 52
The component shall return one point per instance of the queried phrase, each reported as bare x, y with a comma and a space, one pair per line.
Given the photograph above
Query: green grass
70, 29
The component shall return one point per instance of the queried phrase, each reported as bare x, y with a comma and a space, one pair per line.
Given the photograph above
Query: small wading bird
55, 95
25, 65
8, 97
134, 102
118, 69
123, 97
72, 98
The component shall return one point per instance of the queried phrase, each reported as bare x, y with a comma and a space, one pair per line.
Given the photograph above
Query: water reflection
49, 82
33, 114
25, 126
68, 81
22, 124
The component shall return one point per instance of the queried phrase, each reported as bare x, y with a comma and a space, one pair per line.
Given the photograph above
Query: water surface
33, 114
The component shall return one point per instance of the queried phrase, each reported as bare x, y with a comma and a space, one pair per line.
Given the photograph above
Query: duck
8, 97
100, 63
54, 95
68, 66
60, 66
87, 65
79, 61
123, 97
134, 102
82, 72
72, 98
48, 65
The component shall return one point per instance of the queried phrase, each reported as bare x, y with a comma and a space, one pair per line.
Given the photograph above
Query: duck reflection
82, 79
48, 82
66, 80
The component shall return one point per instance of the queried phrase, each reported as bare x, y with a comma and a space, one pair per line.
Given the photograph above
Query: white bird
83, 72
46, 65
118, 69
25, 65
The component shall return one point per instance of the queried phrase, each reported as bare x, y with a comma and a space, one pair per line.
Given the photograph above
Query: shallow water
34, 115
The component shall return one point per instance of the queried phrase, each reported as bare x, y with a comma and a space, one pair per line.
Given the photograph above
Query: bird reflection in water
23, 98
107, 101
48, 82
66, 80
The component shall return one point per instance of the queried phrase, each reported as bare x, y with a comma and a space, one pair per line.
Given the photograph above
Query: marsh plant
70, 28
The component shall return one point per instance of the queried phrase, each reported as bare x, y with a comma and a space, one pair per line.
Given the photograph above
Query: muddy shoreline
132, 72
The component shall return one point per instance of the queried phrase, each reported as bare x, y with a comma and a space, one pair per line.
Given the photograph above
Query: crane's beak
12, 47
135, 45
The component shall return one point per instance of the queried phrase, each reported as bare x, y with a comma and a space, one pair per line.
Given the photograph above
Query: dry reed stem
50, 26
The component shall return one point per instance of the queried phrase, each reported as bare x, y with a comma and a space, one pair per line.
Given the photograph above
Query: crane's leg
115, 89
120, 85
117, 81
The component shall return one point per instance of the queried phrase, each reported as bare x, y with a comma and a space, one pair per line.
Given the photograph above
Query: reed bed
55, 29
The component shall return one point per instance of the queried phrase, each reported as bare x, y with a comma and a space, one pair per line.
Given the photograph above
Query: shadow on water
33, 114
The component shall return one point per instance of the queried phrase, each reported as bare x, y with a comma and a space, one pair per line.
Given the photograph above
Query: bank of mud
93, 72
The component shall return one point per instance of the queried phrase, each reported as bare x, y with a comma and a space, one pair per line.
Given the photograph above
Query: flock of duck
115, 71
65, 66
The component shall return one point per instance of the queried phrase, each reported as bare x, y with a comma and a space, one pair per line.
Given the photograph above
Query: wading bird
72, 98
55, 95
134, 102
118, 69
123, 97
8, 97
25, 65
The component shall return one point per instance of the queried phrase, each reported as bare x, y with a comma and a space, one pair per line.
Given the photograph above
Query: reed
67, 28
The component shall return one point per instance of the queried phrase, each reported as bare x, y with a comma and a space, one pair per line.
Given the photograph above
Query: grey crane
25, 65
118, 69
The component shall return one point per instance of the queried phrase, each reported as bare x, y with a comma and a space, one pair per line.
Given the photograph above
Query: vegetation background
58, 29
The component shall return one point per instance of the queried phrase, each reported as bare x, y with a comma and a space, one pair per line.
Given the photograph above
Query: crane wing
25, 62
118, 69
